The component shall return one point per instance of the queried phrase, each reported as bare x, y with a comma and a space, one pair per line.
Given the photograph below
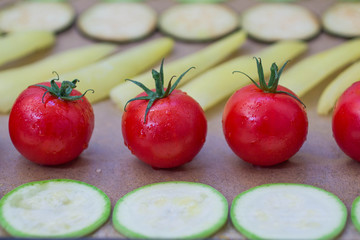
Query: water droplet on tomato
142, 133
253, 141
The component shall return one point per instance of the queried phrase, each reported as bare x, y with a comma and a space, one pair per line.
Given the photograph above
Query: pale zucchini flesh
171, 210
17, 45
219, 83
270, 22
310, 71
37, 15
15, 80
108, 73
343, 19
334, 90
118, 21
54, 208
198, 21
288, 211
201, 60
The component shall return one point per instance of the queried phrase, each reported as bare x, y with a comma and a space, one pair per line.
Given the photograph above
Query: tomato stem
64, 91
160, 91
272, 84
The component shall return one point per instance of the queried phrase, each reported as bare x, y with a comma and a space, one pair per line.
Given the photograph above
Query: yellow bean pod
15, 80
17, 45
309, 72
219, 83
334, 90
106, 74
201, 60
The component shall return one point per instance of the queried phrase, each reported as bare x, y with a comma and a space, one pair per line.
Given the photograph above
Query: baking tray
109, 165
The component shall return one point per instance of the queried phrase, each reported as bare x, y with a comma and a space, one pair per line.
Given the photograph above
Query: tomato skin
346, 122
264, 128
173, 134
53, 132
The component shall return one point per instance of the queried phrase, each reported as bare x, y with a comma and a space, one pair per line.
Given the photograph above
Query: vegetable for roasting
219, 82
171, 210
288, 211
201, 60
106, 74
118, 21
334, 90
310, 71
15, 80
17, 45
54, 16
198, 21
56, 208
270, 22
343, 19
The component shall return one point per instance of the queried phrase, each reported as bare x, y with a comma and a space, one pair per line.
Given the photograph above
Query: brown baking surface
109, 165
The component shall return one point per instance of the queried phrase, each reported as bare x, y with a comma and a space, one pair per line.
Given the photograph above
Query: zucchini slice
54, 208
355, 213
198, 21
118, 21
288, 211
270, 22
171, 210
37, 15
342, 19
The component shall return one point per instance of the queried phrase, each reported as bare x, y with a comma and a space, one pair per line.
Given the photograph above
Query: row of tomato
263, 123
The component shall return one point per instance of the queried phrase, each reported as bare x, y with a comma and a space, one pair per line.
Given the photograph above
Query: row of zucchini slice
175, 210
122, 21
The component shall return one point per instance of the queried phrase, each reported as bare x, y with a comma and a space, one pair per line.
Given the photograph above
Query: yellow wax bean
201, 60
219, 83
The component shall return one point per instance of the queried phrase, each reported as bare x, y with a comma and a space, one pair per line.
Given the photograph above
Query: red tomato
346, 122
264, 128
52, 132
174, 131
265, 123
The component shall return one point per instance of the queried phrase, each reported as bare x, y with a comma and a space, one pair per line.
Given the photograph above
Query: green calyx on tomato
64, 90
160, 91
272, 84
